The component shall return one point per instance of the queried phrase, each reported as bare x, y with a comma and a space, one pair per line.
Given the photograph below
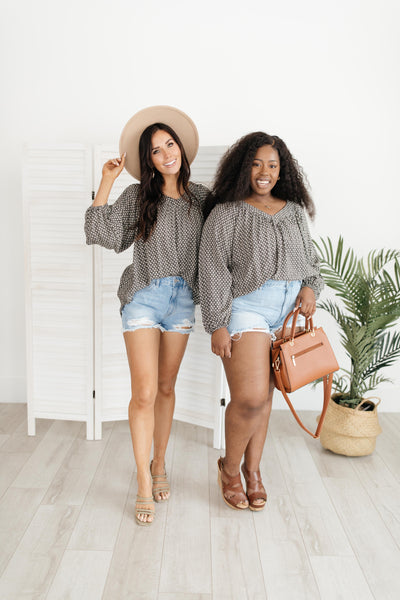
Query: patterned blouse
242, 247
172, 248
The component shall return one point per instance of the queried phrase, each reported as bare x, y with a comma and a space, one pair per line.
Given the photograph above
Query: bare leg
142, 348
252, 457
172, 349
246, 418
256, 443
255, 446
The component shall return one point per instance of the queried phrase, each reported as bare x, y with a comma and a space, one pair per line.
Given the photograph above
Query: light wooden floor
331, 529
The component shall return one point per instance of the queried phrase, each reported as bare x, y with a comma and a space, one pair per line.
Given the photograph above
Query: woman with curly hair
162, 216
257, 263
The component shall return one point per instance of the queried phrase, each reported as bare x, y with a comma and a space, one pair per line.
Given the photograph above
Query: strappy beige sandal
142, 501
160, 485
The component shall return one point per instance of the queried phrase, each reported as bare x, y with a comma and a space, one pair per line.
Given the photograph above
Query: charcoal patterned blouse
242, 247
172, 248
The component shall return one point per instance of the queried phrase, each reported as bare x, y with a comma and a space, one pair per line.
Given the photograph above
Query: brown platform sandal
142, 501
160, 485
233, 487
254, 483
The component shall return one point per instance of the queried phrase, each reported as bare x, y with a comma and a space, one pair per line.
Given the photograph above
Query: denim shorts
265, 309
166, 304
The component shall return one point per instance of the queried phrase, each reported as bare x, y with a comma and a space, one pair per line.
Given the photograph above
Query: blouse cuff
315, 283
211, 326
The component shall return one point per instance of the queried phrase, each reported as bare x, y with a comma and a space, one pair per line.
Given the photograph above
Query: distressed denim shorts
166, 304
265, 309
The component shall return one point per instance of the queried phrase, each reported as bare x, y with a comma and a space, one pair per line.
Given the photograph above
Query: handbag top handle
294, 313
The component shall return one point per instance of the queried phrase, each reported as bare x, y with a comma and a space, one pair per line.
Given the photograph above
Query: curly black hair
151, 180
232, 180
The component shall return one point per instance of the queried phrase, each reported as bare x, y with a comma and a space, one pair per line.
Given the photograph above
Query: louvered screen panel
199, 378
56, 191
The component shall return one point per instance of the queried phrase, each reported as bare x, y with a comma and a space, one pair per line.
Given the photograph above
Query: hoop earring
153, 174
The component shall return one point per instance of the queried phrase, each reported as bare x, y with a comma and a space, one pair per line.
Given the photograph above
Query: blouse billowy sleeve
214, 271
114, 226
314, 280
200, 193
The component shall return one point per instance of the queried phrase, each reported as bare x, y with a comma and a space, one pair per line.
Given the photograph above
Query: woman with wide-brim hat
162, 217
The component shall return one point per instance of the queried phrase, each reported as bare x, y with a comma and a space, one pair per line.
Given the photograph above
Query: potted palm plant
366, 307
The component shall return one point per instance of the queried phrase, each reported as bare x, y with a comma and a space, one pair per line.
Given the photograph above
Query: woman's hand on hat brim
113, 167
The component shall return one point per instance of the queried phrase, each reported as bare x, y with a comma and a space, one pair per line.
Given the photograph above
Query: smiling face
165, 153
264, 171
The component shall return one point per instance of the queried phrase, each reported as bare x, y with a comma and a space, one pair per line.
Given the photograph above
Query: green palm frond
372, 383
338, 270
388, 285
341, 383
377, 260
397, 274
367, 306
386, 352
336, 312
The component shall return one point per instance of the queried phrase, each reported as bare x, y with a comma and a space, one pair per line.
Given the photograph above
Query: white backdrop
323, 76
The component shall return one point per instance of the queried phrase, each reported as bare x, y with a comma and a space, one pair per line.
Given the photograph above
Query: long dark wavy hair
151, 180
232, 180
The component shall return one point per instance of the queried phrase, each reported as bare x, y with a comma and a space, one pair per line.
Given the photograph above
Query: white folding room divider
71, 286
57, 184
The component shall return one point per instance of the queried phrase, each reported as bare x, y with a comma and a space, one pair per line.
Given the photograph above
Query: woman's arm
312, 285
216, 280
112, 226
306, 300
111, 170
221, 343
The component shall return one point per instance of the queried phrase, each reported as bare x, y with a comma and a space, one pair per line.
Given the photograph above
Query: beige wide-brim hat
175, 118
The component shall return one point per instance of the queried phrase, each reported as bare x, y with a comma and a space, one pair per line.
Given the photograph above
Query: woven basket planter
350, 431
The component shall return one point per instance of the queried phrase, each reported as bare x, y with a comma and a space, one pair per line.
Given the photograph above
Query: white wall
324, 76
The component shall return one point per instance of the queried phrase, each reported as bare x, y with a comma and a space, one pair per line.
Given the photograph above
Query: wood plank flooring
331, 529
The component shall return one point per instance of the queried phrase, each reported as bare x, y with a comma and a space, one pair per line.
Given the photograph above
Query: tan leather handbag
301, 358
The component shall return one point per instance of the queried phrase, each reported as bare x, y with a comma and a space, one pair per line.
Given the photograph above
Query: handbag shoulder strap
327, 394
